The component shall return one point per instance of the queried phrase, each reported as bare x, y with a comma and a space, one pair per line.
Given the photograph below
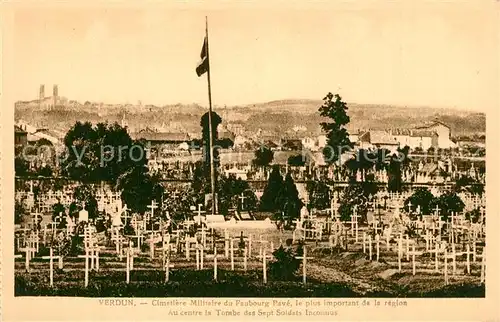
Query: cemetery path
328, 274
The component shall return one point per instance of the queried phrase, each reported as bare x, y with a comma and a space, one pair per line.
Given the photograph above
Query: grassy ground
182, 283
330, 273
191, 283
343, 274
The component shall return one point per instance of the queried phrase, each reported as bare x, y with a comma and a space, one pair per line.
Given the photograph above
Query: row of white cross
91, 255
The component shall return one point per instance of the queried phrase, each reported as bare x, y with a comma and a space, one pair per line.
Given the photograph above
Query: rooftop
161, 136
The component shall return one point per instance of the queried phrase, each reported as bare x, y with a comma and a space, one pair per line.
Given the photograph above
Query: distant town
433, 141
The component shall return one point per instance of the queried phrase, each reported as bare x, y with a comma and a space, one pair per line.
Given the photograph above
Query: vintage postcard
251, 160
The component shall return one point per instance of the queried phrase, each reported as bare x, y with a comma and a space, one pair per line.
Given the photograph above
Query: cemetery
364, 222
387, 247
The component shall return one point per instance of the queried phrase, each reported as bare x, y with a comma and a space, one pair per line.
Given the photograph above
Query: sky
419, 54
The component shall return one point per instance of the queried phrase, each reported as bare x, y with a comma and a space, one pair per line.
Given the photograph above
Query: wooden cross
203, 236
167, 267
352, 223
245, 254
264, 264
304, 261
200, 256
152, 246
261, 244
226, 243
126, 215
130, 253
153, 206
86, 257
232, 254
445, 257
33, 240
242, 198
51, 257
364, 242
467, 253
199, 211
27, 251
400, 250
165, 247
34, 220
370, 246
189, 241
119, 239
356, 217
413, 253
215, 263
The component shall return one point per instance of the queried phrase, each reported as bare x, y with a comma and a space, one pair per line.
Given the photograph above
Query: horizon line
228, 106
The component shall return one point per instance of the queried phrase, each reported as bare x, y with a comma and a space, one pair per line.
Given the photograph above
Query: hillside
275, 116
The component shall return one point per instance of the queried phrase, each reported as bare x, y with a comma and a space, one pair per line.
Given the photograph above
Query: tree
398, 162
448, 202
139, 189
353, 196
381, 158
394, 173
421, 197
369, 186
21, 167
363, 161
319, 194
291, 203
101, 152
229, 192
270, 200
225, 143
263, 157
296, 160
335, 109
178, 204
466, 183
205, 135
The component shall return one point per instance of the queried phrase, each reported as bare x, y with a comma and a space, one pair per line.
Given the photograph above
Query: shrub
285, 264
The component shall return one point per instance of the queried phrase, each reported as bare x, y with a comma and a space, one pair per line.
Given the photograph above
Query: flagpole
212, 167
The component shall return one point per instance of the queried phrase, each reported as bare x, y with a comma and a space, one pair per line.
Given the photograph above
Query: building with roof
442, 132
423, 139
162, 141
435, 135
20, 136
378, 139
45, 136
161, 137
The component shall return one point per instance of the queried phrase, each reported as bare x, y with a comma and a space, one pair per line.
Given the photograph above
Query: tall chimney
55, 94
41, 96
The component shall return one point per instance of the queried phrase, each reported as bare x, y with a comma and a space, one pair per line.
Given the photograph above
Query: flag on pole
202, 67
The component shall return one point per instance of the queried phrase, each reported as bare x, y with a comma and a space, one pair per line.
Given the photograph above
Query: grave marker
304, 261
51, 257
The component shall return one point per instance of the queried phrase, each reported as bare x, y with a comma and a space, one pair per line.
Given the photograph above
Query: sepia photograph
245, 153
